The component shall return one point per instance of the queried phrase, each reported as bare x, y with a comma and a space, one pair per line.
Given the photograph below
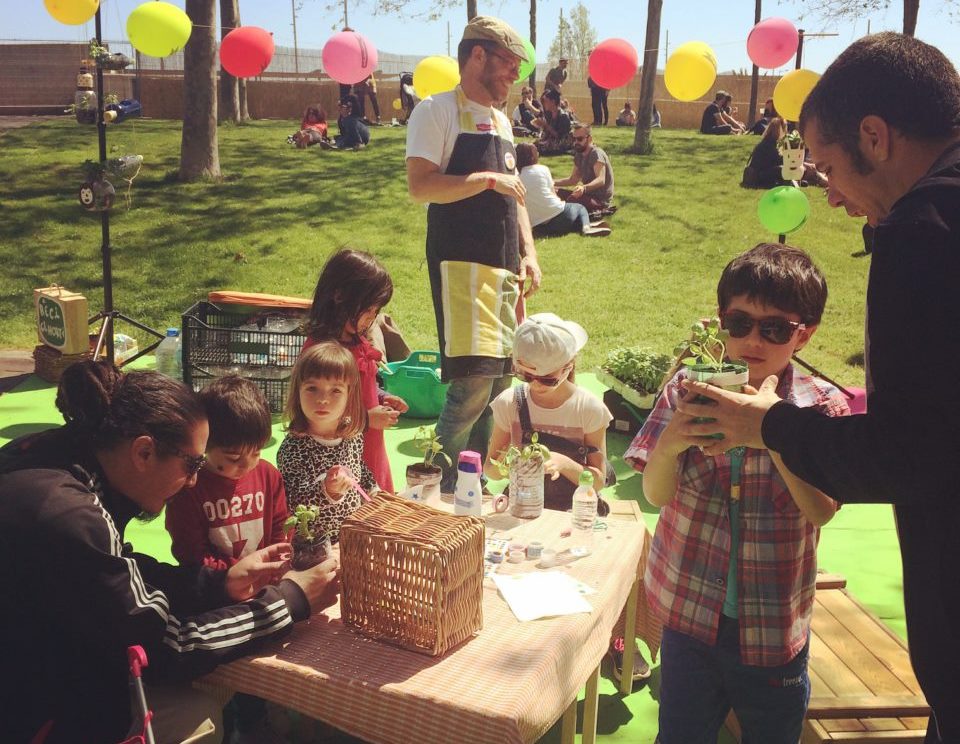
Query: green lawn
279, 211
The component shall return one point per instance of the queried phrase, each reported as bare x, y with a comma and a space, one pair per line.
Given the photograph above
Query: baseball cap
493, 29
545, 342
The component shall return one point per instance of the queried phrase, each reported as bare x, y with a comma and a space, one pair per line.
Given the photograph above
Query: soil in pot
428, 476
309, 553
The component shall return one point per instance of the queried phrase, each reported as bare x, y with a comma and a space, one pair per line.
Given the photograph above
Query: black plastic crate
260, 345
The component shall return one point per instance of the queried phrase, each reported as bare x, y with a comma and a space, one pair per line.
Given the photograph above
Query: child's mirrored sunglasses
775, 330
545, 381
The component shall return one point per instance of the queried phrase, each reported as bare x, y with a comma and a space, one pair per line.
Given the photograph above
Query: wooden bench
863, 689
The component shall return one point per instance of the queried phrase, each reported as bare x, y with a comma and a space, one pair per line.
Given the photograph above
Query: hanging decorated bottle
85, 99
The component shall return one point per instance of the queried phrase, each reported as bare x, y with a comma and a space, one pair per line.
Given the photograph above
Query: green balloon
527, 67
783, 209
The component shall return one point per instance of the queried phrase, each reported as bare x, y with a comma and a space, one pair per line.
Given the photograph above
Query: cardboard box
61, 319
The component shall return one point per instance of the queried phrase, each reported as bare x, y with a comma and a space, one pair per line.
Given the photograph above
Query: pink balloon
613, 63
772, 42
349, 57
246, 51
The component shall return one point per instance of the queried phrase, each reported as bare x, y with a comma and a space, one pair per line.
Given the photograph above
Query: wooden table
509, 683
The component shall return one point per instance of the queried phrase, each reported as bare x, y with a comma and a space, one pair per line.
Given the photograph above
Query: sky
722, 25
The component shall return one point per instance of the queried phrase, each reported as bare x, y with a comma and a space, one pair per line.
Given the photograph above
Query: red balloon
246, 51
613, 63
773, 42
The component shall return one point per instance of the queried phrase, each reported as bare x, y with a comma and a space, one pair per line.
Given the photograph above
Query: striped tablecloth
509, 683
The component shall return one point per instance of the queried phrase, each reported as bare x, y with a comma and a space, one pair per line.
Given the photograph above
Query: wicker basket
50, 363
411, 575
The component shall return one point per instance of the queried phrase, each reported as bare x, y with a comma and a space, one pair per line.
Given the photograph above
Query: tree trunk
471, 9
229, 85
648, 79
532, 80
910, 10
755, 75
244, 111
199, 153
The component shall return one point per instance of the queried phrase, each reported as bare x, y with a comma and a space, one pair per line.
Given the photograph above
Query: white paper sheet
541, 594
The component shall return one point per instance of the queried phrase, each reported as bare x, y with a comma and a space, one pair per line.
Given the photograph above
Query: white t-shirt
542, 201
582, 413
435, 124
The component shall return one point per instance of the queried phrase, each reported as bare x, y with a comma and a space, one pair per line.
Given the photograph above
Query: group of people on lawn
744, 480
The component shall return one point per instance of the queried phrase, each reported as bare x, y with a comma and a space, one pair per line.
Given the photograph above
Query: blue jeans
465, 421
699, 684
573, 218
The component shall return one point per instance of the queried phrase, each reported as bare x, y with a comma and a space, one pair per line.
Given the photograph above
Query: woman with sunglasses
732, 567
75, 597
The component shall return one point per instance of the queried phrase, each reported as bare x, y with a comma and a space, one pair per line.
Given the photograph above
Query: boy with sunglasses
732, 568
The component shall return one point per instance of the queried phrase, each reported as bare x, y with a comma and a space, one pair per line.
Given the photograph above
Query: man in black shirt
715, 120
902, 171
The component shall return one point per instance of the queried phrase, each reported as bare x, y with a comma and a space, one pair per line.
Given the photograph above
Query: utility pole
448, 38
799, 49
755, 74
296, 53
868, 27
346, 21
667, 45
561, 33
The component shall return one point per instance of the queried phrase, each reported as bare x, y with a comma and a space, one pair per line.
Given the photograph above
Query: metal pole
667, 45
106, 332
448, 38
346, 21
799, 49
296, 53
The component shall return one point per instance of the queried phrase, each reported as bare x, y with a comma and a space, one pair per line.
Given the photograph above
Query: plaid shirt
686, 573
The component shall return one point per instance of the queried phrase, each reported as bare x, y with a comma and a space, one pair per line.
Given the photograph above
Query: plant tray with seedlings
636, 374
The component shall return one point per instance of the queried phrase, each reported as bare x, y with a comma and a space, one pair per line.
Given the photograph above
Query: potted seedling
791, 150
426, 473
105, 59
96, 192
524, 466
309, 548
703, 356
635, 373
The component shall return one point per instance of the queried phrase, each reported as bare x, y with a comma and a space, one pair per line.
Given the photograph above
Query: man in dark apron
460, 159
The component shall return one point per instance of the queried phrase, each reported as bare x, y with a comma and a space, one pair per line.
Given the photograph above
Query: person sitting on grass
354, 134
716, 120
592, 176
526, 112
763, 168
732, 569
555, 126
548, 214
627, 116
238, 504
313, 128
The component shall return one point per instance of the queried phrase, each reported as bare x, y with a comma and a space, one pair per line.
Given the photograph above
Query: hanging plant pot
97, 196
792, 168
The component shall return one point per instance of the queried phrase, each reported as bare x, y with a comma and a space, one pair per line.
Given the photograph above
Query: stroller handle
137, 659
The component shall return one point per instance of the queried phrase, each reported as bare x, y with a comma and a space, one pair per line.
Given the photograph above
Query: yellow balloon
158, 29
435, 75
397, 104
699, 47
689, 74
72, 12
792, 91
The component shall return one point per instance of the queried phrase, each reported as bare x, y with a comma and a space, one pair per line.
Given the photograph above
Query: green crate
417, 380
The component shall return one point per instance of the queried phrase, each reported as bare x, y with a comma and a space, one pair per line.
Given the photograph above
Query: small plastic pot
309, 553
428, 476
732, 376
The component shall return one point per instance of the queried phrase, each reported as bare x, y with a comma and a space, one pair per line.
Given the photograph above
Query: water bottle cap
173, 332
470, 458
586, 478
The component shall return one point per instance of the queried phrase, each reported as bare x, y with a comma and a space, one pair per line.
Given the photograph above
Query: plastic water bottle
468, 496
167, 353
584, 515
